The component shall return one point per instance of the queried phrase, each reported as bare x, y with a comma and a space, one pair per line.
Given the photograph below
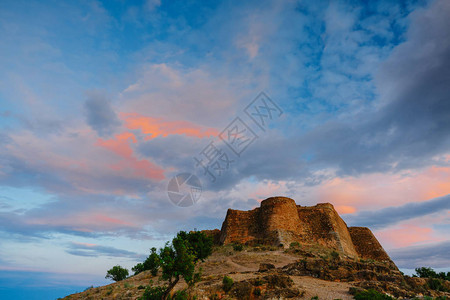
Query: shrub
110, 290
257, 291
315, 298
334, 255
294, 245
371, 295
435, 284
227, 283
238, 247
153, 293
258, 282
127, 285
117, 273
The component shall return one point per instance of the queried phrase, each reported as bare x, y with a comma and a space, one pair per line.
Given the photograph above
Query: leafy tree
425, 272
176, 260
200, 244
152, 263
117, 273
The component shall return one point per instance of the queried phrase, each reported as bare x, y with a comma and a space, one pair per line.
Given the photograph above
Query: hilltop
282, 250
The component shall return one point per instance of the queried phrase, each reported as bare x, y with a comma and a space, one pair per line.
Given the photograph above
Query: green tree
199, 243
117, 273
151, 263
426, 272
177, 260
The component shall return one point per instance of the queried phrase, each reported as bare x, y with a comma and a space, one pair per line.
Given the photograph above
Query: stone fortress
280, 221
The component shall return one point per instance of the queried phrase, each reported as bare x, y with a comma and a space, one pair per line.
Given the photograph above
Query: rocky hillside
281, 250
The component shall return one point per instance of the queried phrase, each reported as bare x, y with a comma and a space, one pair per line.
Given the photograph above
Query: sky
102, 103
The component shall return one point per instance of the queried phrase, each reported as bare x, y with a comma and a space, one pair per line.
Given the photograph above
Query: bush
227, 283
127, 285
334, 255
371, 295
117, 273
257, 291
153, 293
294, 245
238, 247
109, 291
435, 284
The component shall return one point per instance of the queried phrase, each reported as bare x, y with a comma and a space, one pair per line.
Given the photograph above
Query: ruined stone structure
280, 221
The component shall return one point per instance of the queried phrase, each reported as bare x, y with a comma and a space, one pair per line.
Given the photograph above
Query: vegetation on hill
425, 272
176, 260
117, 273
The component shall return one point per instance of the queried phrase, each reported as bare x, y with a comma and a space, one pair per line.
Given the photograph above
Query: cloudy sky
103, 102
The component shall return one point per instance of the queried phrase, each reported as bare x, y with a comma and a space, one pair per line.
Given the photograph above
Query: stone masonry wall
367, 245
280, 221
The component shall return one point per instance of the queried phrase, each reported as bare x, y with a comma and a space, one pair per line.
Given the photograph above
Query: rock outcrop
279, 221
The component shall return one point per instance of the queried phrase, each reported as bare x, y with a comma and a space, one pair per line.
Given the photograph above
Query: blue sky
103, 102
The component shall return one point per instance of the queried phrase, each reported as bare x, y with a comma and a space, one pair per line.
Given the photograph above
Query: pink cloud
381, 190
129, 165
406, 235
89, 221
154, 127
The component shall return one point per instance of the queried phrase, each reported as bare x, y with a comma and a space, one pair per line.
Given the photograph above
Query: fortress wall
321, 224
239, 226
367, 245
280, 221
279, 213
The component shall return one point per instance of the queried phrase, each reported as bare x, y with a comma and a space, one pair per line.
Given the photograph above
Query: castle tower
280, 221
